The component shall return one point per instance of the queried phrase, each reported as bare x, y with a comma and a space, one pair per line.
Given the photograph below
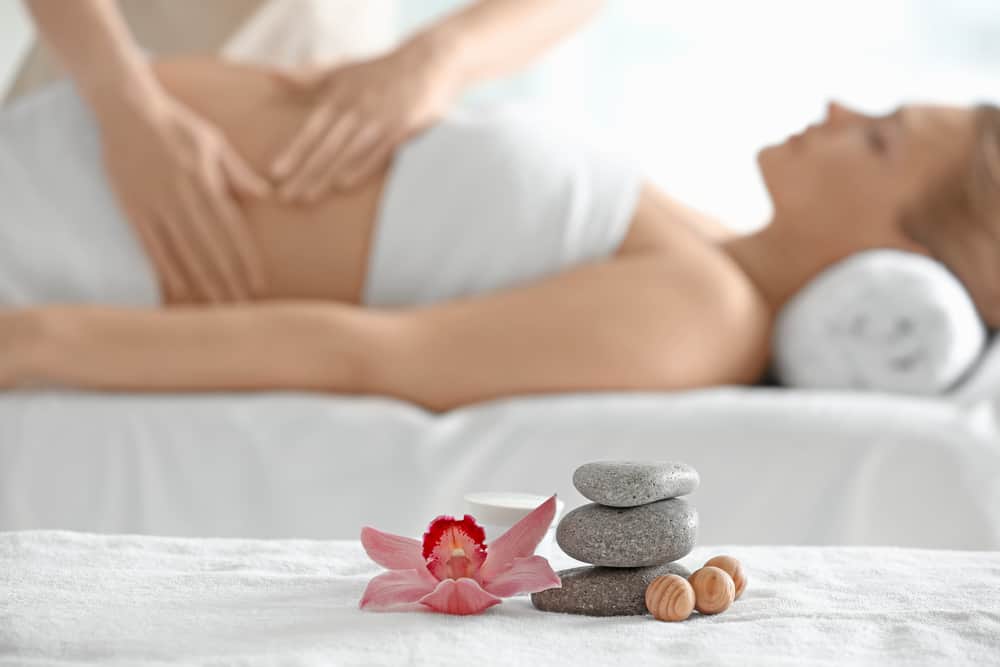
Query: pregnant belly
316, 251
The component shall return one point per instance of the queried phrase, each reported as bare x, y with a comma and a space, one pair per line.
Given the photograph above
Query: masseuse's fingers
363, 147
170, 276
207, 218
365, 167
228, 248
242, 177
184, 229
302, 79
366, 136
238, 232
312, 179
300, 148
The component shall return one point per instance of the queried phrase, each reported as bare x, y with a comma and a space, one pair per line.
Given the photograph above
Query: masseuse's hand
177, 178
362, 112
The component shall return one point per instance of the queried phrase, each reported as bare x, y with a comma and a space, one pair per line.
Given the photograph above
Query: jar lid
502, 508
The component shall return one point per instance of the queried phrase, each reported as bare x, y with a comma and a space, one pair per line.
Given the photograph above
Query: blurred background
694, 89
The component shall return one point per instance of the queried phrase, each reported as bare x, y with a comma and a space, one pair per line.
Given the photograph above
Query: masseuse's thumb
242, 178
300, 80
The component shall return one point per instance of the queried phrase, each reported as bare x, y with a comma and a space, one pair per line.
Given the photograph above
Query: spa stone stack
632, 533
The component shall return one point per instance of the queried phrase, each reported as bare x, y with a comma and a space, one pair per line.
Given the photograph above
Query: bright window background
694, 89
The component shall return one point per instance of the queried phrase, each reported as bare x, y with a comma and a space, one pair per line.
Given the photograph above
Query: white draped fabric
282, 32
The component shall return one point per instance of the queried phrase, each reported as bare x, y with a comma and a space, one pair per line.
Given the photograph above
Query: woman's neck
781, 258
771, 265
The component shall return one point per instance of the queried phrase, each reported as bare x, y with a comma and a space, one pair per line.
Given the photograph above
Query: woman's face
855, 170
853, 175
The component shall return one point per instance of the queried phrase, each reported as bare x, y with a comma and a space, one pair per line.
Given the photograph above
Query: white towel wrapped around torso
880, 320
494, 200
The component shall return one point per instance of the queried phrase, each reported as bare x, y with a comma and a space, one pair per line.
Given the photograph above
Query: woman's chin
768, 159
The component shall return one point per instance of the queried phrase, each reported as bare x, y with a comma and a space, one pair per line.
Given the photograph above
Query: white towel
69, 598
492, 200
880, 320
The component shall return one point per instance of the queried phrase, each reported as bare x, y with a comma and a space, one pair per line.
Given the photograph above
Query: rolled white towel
879, 320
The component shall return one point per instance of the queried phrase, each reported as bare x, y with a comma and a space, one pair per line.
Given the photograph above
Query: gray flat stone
603, 591
634, 483
652, 534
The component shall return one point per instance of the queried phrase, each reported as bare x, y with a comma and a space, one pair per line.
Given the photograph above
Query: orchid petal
396, 588
392, 551
525, 575
459, 596
520, 541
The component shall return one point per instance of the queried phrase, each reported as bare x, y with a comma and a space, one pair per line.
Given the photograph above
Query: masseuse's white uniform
275, 32
472, 205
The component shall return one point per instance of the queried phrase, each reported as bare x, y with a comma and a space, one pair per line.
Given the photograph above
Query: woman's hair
971, 191
967, 196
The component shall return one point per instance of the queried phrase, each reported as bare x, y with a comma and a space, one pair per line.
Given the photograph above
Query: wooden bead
734, 569
714, 590
670, 598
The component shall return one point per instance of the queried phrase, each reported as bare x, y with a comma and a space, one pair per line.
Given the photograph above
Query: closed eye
876, 140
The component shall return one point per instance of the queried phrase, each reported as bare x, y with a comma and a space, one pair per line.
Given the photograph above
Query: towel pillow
880, 320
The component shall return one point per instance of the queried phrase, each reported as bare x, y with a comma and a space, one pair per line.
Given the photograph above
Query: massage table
777, 466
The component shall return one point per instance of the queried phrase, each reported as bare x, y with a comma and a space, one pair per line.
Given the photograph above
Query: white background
14, 36
694, 88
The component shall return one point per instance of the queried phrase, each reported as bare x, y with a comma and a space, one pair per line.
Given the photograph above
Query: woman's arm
307, 346
640, 323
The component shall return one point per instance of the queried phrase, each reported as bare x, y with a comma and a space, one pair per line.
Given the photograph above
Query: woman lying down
491, 258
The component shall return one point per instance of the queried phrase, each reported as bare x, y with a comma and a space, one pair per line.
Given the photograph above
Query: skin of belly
314, 251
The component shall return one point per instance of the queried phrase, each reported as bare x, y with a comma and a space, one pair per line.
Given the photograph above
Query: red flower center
454, 548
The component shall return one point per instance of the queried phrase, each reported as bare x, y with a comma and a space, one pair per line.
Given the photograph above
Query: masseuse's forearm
305, 346
95, 46
493, 38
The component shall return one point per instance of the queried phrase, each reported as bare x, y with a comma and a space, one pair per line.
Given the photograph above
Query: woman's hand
363, 111
177, 178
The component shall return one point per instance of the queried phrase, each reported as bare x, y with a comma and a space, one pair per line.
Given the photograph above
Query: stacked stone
635, 529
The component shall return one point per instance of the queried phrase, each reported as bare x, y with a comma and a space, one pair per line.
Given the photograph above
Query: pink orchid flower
453, 571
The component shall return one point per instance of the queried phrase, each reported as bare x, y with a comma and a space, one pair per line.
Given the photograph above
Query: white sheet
130, 600
777, 466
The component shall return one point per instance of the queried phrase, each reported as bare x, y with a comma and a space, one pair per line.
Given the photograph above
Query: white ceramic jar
497, 511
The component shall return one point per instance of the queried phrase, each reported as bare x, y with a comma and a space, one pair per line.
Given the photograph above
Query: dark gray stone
634, 483
652, 534
603, 591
